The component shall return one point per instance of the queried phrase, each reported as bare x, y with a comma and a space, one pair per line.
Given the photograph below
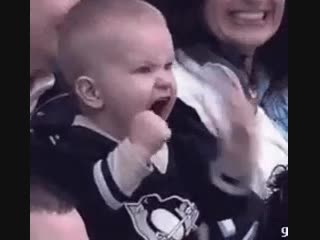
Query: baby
117, 57
116, 159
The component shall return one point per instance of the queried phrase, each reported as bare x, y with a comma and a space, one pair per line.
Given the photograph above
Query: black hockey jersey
159, 209
165, 206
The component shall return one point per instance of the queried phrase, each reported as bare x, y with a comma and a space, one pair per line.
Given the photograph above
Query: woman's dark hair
185, 20
274, 54
276, 217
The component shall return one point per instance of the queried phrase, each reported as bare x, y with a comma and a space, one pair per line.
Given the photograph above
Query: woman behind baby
217, 42
221, 43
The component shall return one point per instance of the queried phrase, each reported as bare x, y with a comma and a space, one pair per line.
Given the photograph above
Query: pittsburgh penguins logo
154, 218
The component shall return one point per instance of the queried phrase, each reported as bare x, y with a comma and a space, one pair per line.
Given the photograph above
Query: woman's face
245, 24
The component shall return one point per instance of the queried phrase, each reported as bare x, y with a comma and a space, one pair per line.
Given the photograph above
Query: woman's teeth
249, 17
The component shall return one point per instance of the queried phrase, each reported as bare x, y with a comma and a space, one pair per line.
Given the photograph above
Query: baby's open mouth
159, 106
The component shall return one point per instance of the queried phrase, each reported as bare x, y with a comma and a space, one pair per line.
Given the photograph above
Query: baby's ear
86, 89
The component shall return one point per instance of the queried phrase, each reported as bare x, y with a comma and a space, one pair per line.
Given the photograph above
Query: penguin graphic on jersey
154, 218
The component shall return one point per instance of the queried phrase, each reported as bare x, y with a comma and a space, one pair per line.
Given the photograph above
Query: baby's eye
144, 69
168, 66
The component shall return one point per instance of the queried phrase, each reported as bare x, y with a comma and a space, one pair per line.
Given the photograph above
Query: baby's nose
164, 82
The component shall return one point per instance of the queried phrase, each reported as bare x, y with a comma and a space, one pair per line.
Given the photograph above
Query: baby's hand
149, 132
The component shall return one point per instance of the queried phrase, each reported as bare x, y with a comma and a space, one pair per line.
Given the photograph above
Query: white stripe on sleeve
103, 187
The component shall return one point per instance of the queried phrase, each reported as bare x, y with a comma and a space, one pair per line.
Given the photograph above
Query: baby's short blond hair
79, 36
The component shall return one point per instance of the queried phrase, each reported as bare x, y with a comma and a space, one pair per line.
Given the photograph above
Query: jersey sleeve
106, 181
120, 174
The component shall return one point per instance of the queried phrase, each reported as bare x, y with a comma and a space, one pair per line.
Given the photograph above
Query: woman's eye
144, 69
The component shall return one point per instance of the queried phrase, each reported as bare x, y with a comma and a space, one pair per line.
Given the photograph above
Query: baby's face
242, 23
53, 226
137, 76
